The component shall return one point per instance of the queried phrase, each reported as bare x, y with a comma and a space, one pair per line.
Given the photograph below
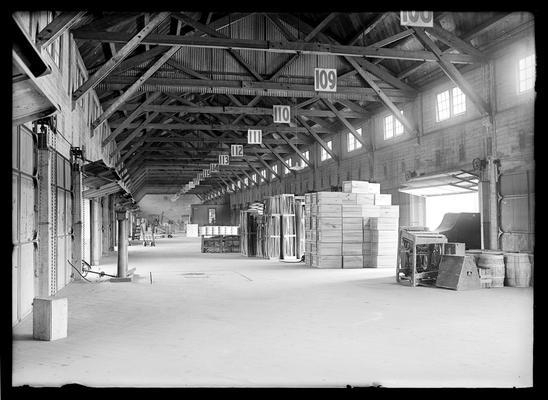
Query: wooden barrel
494, 261
484, 273
518, 270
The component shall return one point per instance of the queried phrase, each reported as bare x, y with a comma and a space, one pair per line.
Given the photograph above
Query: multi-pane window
239, 184
353, 143
275, 169
392, 126
526, 68
324, 155
459, 101
254, 177
301, 163
263, 173
54, 49
233, 187
450, 103
289, 162
246, 181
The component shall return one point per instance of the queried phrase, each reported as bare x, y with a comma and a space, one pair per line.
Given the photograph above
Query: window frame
351, 139
533, 77
394, 123
451, 101
324, 155
288, 161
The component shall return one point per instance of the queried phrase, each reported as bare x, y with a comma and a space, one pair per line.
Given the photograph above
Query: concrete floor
225, 320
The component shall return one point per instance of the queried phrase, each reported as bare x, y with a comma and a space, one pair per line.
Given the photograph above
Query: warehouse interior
272, 199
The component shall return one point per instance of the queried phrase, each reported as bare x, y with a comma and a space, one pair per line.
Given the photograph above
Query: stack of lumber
279, 214
299, 226
248, 233
261, 236
353, 229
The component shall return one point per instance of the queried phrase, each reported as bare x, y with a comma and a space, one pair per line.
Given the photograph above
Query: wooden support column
121, 217
46, 238
105, 225
77, 234
96, 235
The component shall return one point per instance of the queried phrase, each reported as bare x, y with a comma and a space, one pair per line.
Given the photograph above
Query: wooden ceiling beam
275, 46
364, 32
353, 131
259, 88
217, 127
273, 151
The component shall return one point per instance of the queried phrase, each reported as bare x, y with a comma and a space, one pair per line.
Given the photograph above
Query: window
233, 187
301, 163
289, 162
211, 216
450, 103
254, 177
392, 127
239, 184
526, 73
263, 173
275, 169
54, 49
352, 142
459, 101
324, 155
246, 181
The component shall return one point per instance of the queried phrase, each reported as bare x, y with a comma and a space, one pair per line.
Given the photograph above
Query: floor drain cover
194, 275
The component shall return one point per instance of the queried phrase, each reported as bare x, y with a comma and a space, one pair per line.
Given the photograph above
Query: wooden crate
360, 187
383, 199
326, 261
352, 262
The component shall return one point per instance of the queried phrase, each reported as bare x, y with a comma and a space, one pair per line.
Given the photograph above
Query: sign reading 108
325, 80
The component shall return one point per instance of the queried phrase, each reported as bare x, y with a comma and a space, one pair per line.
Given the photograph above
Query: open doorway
438, 206
452, 205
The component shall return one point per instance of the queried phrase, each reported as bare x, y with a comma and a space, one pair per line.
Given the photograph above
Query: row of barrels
498, 269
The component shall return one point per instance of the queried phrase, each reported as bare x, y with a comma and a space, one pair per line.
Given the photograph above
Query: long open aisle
228, 320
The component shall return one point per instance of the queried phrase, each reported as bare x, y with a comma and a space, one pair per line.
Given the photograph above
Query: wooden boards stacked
299, 226
280, 226
248, 233
353, 229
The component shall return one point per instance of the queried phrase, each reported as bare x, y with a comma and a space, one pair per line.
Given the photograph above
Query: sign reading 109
325, 80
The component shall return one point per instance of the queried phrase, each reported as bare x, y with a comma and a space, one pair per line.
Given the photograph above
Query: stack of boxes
357, 228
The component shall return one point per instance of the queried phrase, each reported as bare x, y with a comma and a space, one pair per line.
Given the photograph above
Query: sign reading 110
325, 79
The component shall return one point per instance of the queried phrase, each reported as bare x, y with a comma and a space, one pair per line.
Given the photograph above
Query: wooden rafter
352, 130
57, 27
317, 138
452, 72
138, 111
117, 58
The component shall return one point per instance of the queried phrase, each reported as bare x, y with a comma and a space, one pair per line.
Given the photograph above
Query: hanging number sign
236, 150
223, 159
254, 136
325, 80
417, 18
214, 167
281, 114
